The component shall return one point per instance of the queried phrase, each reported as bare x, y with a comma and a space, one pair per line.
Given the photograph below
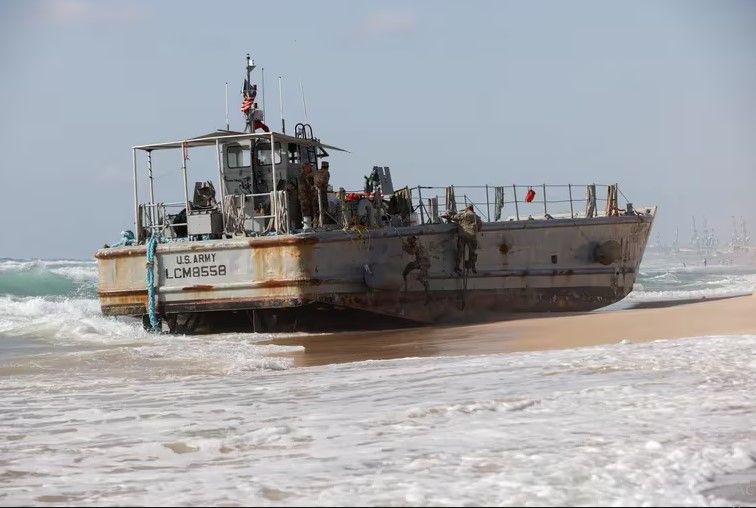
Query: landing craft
247, 256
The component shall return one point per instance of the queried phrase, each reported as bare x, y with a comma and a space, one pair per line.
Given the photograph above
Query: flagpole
263, 91
280, 102
248, 82
227, 126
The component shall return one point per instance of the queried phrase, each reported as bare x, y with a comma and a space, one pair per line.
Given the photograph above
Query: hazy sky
659, 96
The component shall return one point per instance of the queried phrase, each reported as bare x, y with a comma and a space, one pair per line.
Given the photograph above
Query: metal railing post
137, 233
545, 212
572, 213
219, 161
184, 157
273, 195
152, 214
488, 206
517, 208
420, 200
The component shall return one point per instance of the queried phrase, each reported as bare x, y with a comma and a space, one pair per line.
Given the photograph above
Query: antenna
304, 105
280, 102
249, 92
227, 126
263, 90
301, 88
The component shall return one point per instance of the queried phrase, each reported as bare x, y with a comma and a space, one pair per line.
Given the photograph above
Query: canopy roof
225, 136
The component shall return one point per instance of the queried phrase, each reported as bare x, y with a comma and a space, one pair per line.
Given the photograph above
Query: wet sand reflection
646, 322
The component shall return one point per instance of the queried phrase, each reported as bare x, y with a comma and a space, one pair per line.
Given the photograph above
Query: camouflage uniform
320, 192
295, 212
468, 225
421, 262
305, 186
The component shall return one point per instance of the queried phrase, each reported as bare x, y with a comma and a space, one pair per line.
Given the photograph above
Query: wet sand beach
647, 322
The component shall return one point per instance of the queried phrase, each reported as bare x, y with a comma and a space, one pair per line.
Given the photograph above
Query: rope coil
151, 246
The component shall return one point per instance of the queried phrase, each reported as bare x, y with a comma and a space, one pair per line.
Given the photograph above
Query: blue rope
151, 246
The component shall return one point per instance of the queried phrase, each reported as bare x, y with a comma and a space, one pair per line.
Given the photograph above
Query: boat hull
523, 266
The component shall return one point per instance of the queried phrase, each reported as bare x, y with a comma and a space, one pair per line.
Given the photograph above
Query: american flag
249, 92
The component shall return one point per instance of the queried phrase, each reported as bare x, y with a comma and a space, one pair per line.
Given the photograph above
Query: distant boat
378, 256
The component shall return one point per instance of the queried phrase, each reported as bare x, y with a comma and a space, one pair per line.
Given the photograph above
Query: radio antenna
280, 102
263, 90
304, 104
301, 87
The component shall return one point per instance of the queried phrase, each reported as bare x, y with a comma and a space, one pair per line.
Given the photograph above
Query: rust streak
279, 283
279, 241
115, 293
198, 287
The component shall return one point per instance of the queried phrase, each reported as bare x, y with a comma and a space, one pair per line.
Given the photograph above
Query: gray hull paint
523, 266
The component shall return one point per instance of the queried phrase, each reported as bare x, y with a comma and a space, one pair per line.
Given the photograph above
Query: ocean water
95, 411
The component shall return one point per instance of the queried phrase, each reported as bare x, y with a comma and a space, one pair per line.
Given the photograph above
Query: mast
249, 92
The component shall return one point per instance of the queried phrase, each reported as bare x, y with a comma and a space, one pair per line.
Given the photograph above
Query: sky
657, 96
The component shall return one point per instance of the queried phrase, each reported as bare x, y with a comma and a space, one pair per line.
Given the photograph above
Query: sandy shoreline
663, 320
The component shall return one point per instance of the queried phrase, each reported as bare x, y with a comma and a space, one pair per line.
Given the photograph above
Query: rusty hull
523, 266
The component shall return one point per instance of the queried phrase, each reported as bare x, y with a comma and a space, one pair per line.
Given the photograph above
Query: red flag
260, 125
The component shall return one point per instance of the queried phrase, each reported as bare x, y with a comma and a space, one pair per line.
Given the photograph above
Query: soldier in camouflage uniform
422, 262
320, 191
468, 225
305, 186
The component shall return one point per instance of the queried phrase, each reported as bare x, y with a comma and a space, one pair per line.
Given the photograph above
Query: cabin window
293, 153
237, 156
263, 154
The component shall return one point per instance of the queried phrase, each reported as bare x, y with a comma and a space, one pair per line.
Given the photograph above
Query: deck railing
162, 218
236, 214
428, 205
496, 203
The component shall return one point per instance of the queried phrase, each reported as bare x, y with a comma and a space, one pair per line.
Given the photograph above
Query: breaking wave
72, 278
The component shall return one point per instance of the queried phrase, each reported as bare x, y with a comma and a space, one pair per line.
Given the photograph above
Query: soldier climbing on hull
468, 226
422, 262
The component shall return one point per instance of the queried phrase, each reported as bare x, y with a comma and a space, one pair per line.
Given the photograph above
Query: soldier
346, 212
320, 179
292, 196
468, 225
305, 186
413, 247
